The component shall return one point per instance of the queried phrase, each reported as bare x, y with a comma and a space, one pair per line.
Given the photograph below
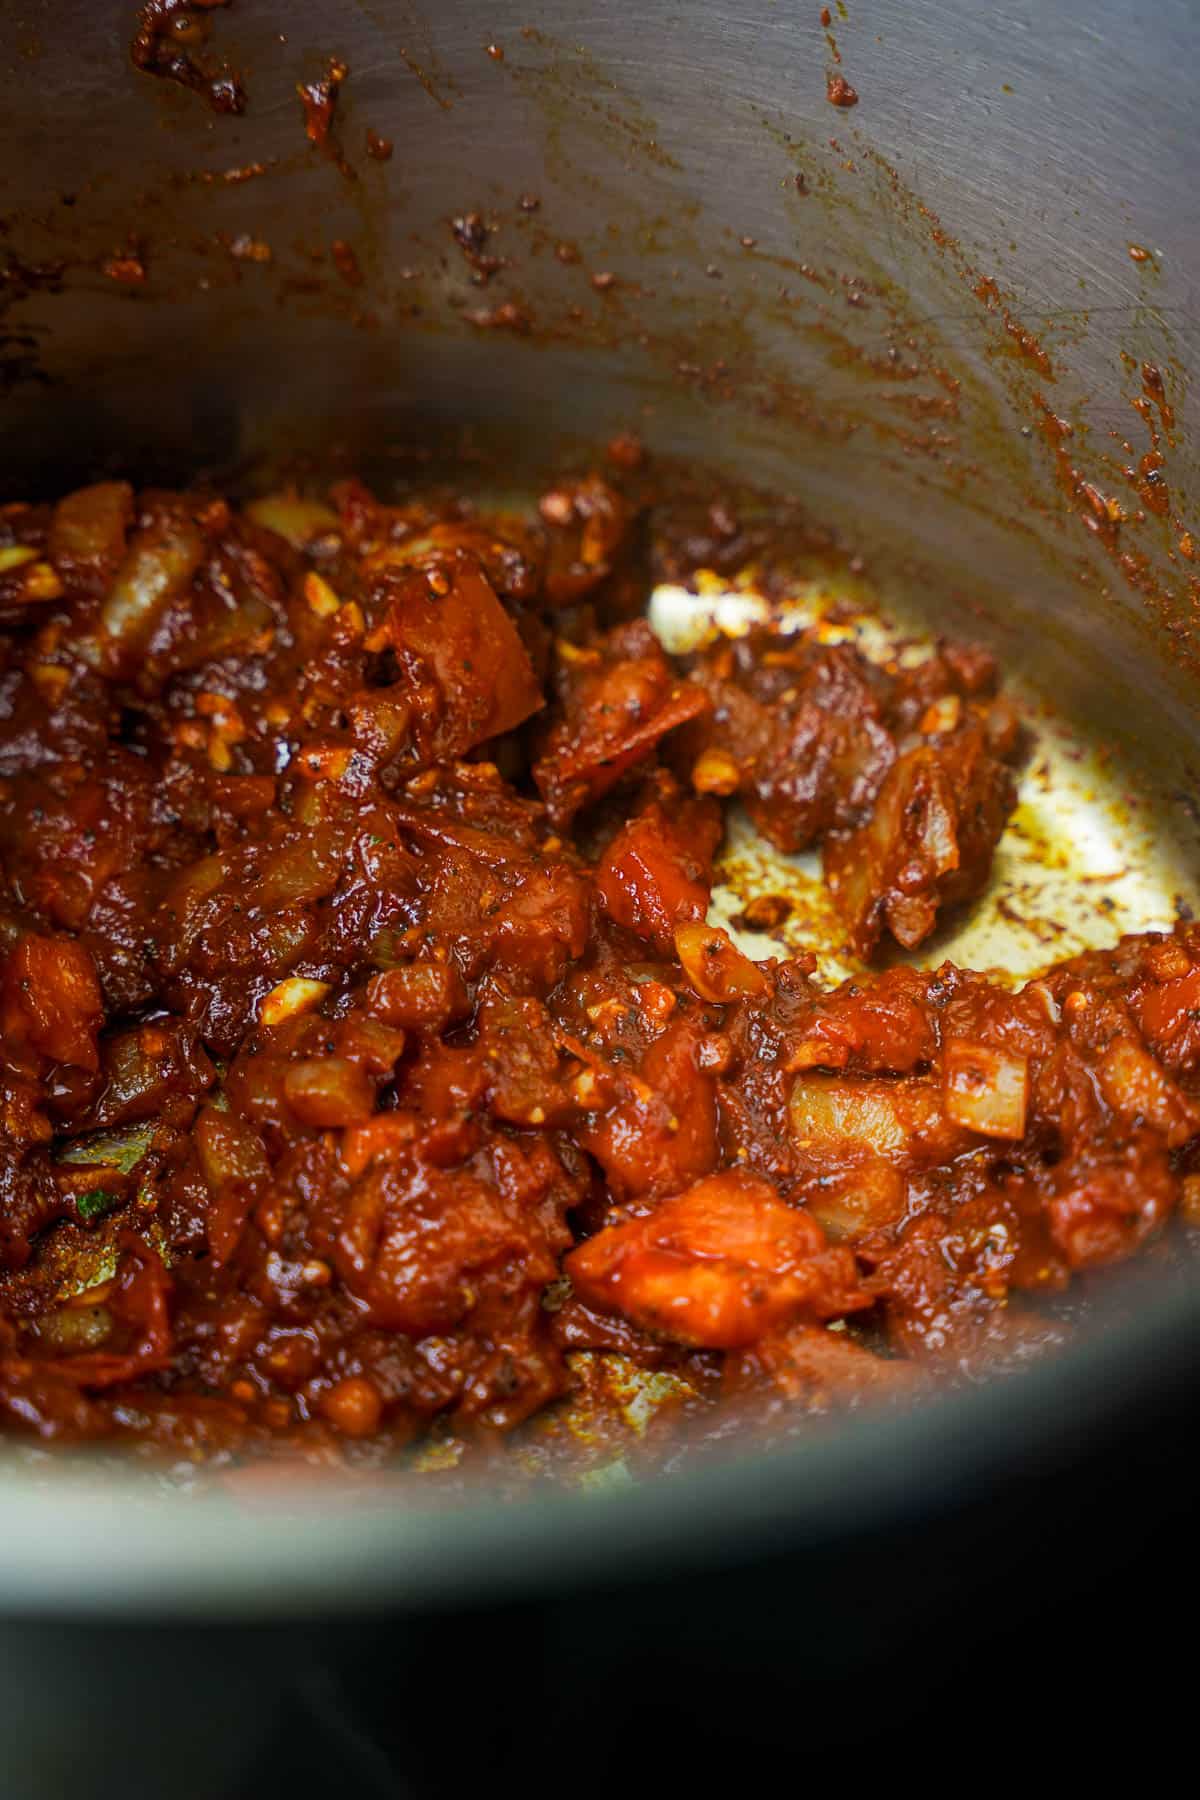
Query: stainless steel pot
890, 310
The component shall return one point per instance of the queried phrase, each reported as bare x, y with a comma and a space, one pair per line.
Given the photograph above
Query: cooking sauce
369, 1062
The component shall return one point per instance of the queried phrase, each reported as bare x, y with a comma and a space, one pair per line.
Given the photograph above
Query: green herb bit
96, 1202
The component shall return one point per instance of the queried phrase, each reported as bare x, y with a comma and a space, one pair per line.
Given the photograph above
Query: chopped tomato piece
662, 1131
461, 655
1169, 1014
650, 880
619, 701
719, 1266
53, 998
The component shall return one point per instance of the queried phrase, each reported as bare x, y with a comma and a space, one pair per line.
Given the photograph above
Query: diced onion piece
42, 583
943, 714
229, 1149
234, 1164
715, 772
74, 1328
293, 518
323, 762
158, 566
193, 884
89, 528
320, 596
419, 996
868, 1199
715, 966
832, 1114
328, 1091
1137, 1088
295, 995
306, 869
375, 1047
987, 1090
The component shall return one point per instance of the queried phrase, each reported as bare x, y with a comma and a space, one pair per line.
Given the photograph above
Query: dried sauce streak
171, 40
1152, 381
318, 100
365, 1051
471, 233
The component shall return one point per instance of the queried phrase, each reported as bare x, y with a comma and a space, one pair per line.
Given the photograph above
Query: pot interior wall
881, 308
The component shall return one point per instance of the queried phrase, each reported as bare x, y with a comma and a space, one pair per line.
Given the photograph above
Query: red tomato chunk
718, 1267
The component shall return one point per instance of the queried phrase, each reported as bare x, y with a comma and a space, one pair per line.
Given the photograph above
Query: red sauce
365, 1051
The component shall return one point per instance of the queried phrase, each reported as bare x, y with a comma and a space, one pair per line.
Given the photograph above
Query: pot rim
89, 1543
